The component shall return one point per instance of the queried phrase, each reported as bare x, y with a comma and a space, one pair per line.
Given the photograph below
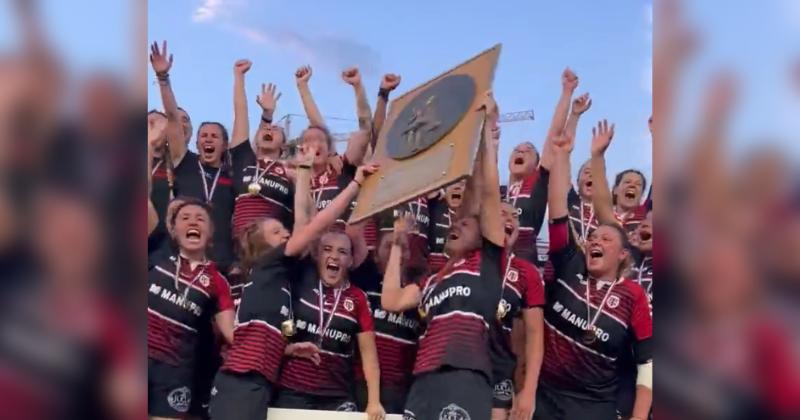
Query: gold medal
254, 188
589, 336
287, 328
501, 310
422, 312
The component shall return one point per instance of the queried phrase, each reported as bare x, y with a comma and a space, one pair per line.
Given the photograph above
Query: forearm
241, 121
559, 185
363, 111
302, 198
152, 217
560, 114
534, 349
491, 223
601, 194
642, 403
378, 119
357, 147
175, 134
312, 112
470, 203
391, 290
150, 158
338, 206
369, 363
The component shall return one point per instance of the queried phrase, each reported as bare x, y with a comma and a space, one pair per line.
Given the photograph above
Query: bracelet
357, 183
304, 166
266, 121
162, 76
383, 93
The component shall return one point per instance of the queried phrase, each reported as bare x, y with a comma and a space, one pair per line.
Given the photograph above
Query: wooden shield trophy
430, 137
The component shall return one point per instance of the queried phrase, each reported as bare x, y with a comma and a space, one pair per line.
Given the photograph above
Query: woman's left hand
375, 411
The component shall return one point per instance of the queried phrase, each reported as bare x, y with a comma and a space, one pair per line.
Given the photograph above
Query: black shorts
503, 394
552, 405
451, 393
288, 398
240, 396
393, 398
169, 389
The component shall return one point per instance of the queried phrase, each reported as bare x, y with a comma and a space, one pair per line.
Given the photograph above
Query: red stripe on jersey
371, 234
436, 261
251, 208
164, 339
256, 347
332, 377
568, 365
452, 333
396, 360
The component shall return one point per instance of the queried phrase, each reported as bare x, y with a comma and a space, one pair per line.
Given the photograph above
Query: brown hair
252, 246
325, 131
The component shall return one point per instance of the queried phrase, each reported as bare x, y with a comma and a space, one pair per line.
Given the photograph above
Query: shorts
393, 398
503, 394
288, 398
449, 394
169, 392
552, 405
240, 396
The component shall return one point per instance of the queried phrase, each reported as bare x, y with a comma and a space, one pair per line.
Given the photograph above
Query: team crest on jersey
323, 179
279, 171
179, 399
513, 276
504, 390
454, 412
204, 280
513, 190
348, 406
613, 301
348, 304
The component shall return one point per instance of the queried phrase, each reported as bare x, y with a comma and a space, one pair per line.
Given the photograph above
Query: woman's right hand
306, 350
364, 171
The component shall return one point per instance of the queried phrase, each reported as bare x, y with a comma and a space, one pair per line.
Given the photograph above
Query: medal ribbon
338, 295
209, 194
191, 283
593, 321
258, 175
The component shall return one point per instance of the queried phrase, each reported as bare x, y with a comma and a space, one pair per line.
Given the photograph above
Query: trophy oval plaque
427, 118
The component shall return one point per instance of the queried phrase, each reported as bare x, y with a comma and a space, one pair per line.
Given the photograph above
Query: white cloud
208, 11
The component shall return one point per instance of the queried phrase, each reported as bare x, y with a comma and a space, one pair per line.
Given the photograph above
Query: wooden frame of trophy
430, 137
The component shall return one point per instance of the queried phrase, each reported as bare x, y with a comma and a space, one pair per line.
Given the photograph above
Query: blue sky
608, 44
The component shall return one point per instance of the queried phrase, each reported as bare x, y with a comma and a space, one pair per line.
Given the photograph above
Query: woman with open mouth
453, 369
331, 317
271, 255
263, 186
442, 210
595, 320
186, 291
522, 298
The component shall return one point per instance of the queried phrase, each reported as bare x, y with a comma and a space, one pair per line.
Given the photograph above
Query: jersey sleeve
242, 153
534, 287
222, 294
641, 321
364, 316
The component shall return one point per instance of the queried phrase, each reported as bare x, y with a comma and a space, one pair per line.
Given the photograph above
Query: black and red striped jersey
458, 305
396, 334
327, 185
418, 240
275, 199
529, 197
258, 343
582, 217
174, 315
441, 218
351, 316
571, 365
523, 289
631, 220
642, 273
189, 183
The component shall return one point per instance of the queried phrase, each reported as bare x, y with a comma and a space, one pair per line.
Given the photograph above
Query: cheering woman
593, 318
185, 292
453, 368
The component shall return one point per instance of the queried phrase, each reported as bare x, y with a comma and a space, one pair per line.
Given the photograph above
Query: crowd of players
260, 295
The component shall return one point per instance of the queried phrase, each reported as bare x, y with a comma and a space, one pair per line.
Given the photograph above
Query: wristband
162, 76
383, 93
304, 166
266, 120
357, 183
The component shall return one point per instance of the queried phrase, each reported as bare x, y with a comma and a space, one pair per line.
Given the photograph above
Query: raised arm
304, 236
372, 374
302, 76
601, 194
395, 297
302, 191
560, 183
491, 225
388, 84
569, 82
241, 122
580, 105
162, 63
357, 146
